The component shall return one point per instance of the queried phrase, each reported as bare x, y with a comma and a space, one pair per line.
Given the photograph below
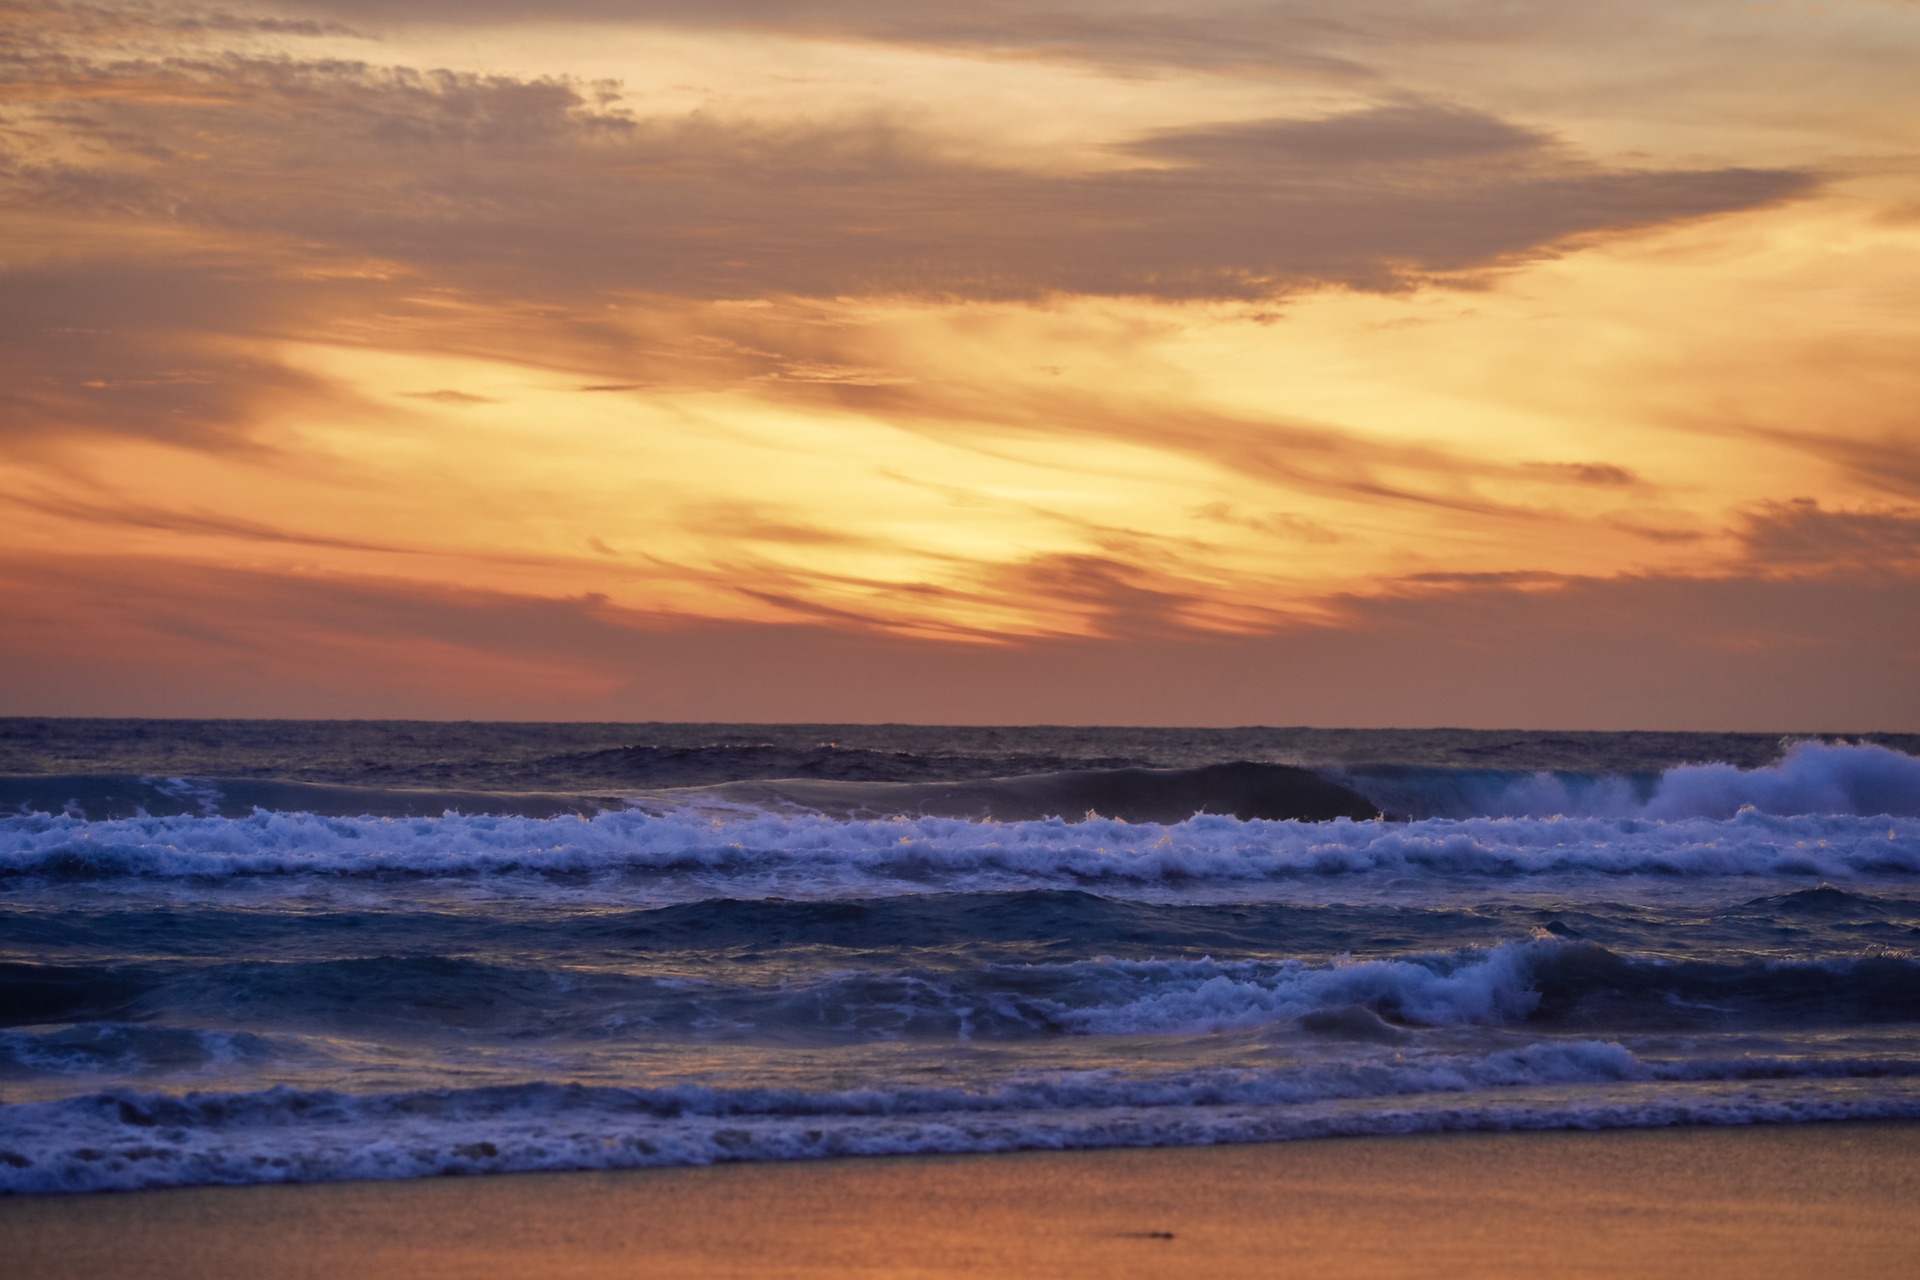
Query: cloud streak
1802, 536
501, 180
1628, 653
1052, 346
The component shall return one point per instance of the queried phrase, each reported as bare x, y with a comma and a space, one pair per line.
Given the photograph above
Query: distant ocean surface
244, 952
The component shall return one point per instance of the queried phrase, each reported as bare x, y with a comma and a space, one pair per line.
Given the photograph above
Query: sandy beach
1792, 1201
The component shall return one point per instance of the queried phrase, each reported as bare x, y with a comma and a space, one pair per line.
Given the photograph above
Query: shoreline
1685, 1202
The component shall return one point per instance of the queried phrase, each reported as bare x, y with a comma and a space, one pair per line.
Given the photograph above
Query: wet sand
1795, 1201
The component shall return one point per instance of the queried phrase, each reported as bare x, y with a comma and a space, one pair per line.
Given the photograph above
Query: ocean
251, 951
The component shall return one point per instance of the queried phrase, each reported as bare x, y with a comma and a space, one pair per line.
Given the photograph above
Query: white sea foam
125, 1140
1187, 996
828, 855
1686, 970
1811, 778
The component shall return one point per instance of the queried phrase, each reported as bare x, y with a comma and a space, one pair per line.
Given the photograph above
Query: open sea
252, 951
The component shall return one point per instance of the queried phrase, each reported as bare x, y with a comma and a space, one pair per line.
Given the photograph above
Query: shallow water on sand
1783, 1203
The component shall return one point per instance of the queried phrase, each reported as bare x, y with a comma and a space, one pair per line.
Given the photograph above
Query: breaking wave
476, 949
1811, 778
806, 854
125, 1139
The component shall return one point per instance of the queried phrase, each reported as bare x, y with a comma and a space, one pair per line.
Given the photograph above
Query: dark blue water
249, 951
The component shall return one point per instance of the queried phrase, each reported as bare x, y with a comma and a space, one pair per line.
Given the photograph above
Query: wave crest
815, 856
125, 1139
1811, 778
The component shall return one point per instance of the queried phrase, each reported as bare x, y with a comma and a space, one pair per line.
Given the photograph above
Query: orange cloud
1037, 345
98, 636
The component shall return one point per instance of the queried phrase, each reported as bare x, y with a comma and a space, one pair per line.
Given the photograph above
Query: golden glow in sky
1385, 363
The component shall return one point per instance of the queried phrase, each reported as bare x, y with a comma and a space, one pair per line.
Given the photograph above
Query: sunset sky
1393, 362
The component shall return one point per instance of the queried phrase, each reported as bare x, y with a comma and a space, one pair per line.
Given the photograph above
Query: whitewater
244, 952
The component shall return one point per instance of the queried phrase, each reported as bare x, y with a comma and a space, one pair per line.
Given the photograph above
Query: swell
615, 758
1033, 925
127, 1049
1546, 982
107, 797
1241, 789
1812, 778
651, 766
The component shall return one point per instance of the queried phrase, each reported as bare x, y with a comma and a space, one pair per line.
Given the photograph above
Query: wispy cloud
1592, 653
495, 179
1802, 535
134, 515
1233, 340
